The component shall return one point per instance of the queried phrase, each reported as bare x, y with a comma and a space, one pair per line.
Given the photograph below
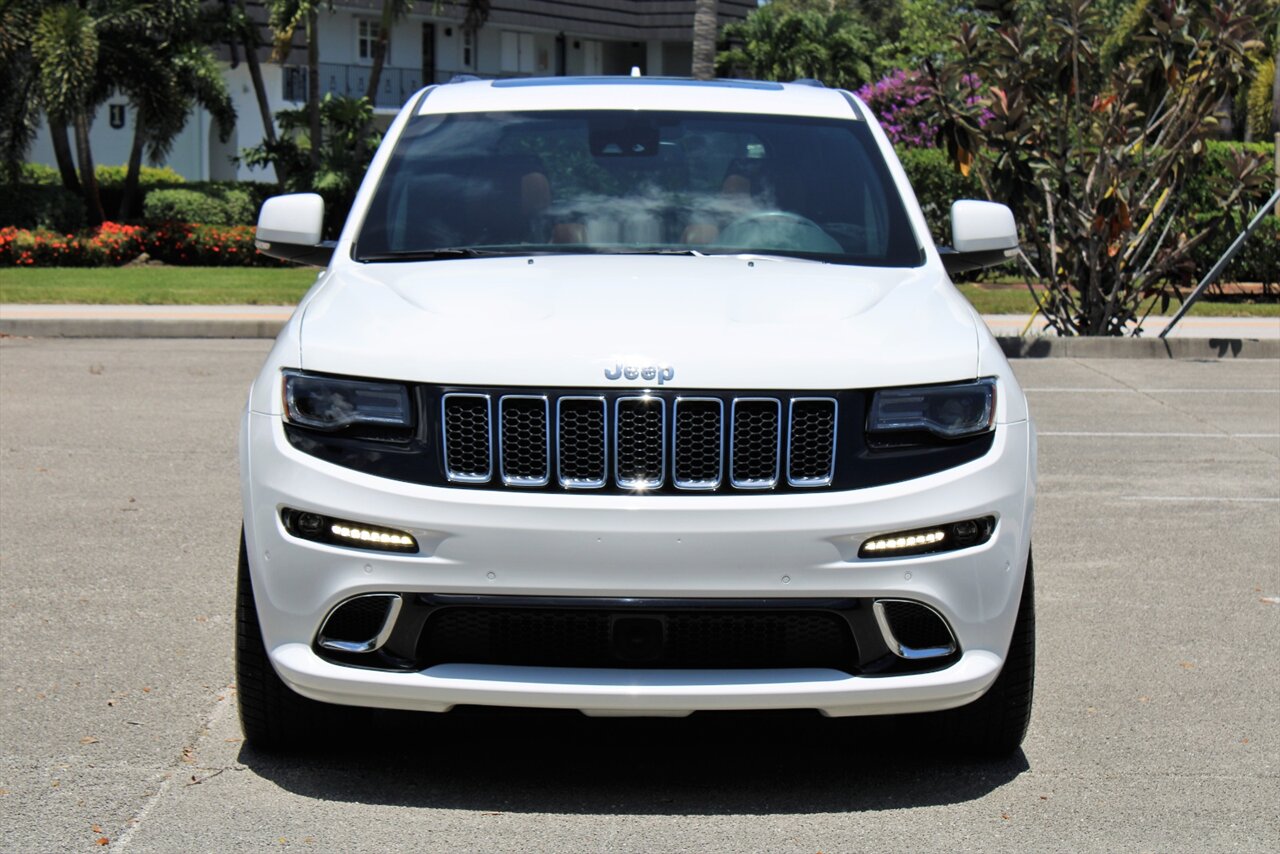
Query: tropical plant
342, 157
779, 43
1093, 159
285, 17
64, 59
165, 68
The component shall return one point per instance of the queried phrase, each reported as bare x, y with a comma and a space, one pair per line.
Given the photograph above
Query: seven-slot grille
638, 442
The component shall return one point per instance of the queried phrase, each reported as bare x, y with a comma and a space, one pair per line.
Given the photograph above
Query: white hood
713, 322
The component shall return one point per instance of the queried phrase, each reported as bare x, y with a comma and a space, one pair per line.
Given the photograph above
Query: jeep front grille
638, 442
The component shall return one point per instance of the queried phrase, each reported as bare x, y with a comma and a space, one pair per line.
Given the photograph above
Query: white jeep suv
636, 397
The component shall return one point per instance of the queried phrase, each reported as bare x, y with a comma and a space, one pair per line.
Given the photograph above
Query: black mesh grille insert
570, 637
698, 454
754, 458
916, 626
357, 621
639, 441
812, 441
581, 441
524, 440
466, 435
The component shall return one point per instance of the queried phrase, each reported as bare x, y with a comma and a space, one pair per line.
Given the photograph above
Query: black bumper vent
651, 639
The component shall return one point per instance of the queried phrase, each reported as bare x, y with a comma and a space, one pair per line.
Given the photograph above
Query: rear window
638, 182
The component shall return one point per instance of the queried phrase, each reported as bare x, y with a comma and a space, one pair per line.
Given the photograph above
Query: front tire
273, 716
994, 725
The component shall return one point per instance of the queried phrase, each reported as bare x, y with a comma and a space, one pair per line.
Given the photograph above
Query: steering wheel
778, 229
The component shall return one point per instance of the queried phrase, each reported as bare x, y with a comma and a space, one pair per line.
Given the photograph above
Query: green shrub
182, 206
38, 173
148, 176
41, 206
206, 204
1257, 260
1197, 194
937, 185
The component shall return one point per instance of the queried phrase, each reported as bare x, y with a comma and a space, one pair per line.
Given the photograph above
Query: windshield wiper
438, 254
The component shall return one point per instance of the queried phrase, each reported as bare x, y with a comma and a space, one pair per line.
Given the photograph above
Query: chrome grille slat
639, 441
524, 440
697, 458
755, 440
582, 449
811, 441
468, 437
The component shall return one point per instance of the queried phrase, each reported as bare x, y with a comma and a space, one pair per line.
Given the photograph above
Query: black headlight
332, 403
947, 411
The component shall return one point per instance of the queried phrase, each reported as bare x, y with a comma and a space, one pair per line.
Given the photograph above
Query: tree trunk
249, 36
88, 180
704, 39
380, 49
313, 87
62, 154
130, 191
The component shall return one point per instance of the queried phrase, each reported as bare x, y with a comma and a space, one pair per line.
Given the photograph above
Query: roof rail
463, 78
809, 81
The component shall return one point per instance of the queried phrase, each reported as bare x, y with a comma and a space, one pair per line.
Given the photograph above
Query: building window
367, 31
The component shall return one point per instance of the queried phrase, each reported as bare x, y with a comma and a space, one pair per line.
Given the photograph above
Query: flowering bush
899, 101
207, 246
114, 244
109, 246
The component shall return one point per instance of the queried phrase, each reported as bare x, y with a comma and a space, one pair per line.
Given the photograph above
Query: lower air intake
579, 637
913, 630
360, 624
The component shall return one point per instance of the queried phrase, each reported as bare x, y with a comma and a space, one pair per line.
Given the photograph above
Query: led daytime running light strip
888, 544
369, 536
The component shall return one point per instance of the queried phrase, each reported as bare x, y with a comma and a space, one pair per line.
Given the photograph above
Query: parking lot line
1146, 435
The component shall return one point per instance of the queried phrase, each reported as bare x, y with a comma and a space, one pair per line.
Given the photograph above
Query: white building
522, 38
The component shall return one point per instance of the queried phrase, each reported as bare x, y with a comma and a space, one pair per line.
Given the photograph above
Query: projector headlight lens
332, 403
948, 411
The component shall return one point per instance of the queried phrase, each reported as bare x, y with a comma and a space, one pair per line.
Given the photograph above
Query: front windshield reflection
604, 181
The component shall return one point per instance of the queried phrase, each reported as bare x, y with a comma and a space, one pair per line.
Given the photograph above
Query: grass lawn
285, 286
157, 285
1019, 301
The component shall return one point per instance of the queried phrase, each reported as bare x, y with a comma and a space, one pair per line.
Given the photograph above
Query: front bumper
735, 546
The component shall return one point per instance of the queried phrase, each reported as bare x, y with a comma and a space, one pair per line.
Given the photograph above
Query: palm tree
285, 17
704, 39
392, 11
65, 47
243, 30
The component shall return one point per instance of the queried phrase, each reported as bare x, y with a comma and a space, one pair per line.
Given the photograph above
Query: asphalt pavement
1157, 717
264, 321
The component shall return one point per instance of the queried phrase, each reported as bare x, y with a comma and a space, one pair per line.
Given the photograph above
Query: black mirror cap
298, 253
962, 262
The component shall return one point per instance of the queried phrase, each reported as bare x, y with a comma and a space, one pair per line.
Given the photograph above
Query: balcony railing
394, 87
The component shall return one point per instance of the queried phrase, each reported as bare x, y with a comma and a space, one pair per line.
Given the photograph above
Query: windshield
637, 182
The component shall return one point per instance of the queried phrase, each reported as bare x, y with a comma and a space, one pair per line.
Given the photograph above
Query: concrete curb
1046, 346
138, 327
1037, 347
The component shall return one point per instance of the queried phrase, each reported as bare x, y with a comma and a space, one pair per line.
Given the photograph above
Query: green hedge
41, 206
1257, 261
108, 176
209, 205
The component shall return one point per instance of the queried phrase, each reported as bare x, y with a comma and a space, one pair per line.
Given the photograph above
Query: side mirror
984, 234
289, 228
